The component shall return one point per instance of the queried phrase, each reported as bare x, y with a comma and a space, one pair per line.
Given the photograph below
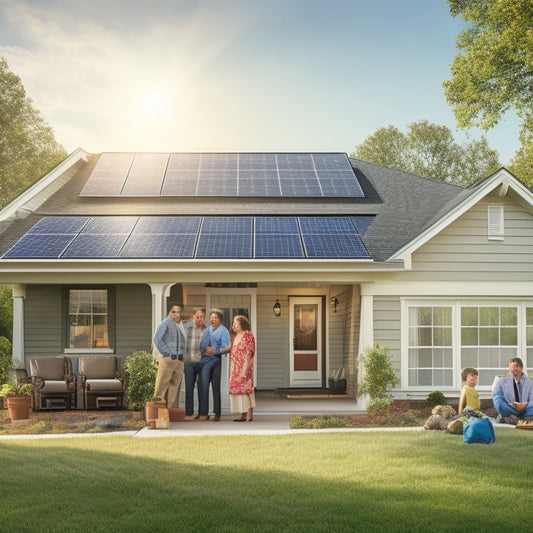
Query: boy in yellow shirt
469, 396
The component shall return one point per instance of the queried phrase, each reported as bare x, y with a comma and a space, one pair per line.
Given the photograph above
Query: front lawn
330, 482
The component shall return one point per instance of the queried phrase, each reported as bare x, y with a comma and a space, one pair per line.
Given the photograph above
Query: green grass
357, 481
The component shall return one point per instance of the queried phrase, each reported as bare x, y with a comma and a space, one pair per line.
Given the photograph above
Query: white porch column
366, 338
160, 292
19, 294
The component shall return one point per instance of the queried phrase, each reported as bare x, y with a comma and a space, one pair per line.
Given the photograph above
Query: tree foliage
6, 311
430, 150
28, 148
494, 71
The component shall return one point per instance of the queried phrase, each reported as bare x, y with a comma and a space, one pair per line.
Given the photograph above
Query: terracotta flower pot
19, 407
151, 409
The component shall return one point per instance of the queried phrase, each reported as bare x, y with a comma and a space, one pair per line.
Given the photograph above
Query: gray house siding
133, 319
272, 342
463, 252
42, 321
387, 327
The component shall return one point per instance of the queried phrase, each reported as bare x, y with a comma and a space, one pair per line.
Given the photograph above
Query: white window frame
456, 305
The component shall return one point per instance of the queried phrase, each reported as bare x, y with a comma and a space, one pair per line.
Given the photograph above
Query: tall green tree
494, 71
430, 150
28, 148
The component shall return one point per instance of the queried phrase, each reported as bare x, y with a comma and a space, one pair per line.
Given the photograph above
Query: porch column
19, 294
366, 337
160, 292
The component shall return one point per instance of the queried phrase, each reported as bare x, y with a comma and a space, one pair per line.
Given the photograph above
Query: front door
306, 341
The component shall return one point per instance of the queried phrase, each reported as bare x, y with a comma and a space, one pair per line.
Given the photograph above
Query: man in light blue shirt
215, 342
513, 395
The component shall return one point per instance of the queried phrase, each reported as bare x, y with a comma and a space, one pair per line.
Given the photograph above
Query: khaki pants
168, 379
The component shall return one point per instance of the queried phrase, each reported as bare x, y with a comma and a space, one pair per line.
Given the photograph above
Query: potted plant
18, 399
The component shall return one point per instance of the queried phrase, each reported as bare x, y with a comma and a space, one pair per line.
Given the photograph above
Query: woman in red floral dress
241, 373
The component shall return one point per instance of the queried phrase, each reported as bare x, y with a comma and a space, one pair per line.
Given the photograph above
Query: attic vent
495, 222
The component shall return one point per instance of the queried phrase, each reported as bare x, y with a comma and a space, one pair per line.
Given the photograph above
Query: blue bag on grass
478, 430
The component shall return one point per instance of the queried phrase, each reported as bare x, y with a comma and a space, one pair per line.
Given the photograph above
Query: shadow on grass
424, 481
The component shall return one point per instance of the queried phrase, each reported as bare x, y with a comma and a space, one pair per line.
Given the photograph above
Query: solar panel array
238, 237
229, 174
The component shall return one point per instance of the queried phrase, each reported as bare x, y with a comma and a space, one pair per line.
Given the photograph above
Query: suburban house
325, 254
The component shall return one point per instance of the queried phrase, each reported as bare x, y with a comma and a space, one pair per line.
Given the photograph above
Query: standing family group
195, 349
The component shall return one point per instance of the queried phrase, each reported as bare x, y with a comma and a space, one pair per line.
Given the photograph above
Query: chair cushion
96, 385
54, 386
48, 368
98, 367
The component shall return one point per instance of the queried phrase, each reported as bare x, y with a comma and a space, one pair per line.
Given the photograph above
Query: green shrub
436, 398
6, 312
378, 373
142, 372
379, 406
6, 359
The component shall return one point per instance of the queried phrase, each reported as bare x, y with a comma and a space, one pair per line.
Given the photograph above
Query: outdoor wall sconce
277, 308
333, 303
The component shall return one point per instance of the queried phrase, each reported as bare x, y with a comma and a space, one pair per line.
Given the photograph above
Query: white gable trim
10, 210
502, 179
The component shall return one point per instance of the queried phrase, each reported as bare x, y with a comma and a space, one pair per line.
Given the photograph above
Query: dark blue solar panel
341, 188
87, 245
287, 225
257, 162
167, 225
109, 225
334, 246
278, 246
221, 245
363, 223
39, 246
227, 225
327, 225
153, 246
59, 225
331, 162
259, 183
295, 162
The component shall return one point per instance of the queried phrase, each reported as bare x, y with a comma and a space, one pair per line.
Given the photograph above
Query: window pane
425, 358
99, 302
88, 319
509, 316
529, 336
488, 336
529, 316
442, 316
425, 316
489, 316
508, 336
447, 361
425, 378
469, 336
424, 337
469, 316
469, 357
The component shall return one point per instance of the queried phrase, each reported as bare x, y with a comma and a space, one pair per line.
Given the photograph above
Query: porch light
333, 302
277, 308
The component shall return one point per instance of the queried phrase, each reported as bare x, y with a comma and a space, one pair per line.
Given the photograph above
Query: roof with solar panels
220, 206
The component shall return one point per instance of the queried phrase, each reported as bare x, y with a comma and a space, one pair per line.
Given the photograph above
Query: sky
235, 75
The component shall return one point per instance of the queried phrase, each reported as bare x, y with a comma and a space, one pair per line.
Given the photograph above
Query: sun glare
155, 103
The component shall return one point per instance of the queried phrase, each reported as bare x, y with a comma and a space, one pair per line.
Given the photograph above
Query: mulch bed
57, 422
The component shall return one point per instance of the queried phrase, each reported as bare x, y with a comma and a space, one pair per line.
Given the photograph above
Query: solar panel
222, 245
227, 225
269, 225
224, 174
180, 183
59, 225
91, 245
334, 246
230, 237
327, 225
39, 246
109, 175
167, 225
154, 246
278, 245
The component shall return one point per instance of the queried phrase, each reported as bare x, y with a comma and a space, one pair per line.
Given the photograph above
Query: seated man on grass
513, 394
